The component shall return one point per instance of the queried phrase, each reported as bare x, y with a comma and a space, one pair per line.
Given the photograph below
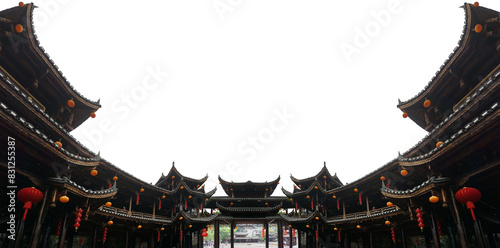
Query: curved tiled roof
82, 191
174, 172
249, 209
446, 64
425, 158
323, 170
41, 113
53, 67
110, 212
415, 191
388, 212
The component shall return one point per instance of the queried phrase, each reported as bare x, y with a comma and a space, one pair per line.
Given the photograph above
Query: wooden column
290, 239
154, 209
479, 234
266, 225
38, 226
403, 239
343, 209
130, 206
461, 235
370, 232
367, 206
216, 234
126, 239
64, 229
299, 238
280, 234
232, 234
94, 237
435, 237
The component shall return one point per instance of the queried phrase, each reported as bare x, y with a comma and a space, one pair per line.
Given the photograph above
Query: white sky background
227, 78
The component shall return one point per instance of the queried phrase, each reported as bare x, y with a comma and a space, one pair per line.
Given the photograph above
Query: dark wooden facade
463, 115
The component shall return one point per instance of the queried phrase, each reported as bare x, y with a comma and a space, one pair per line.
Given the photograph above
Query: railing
364, 213
21, 88
133, 214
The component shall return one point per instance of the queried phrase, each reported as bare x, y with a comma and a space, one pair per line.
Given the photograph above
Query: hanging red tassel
159, 205
158, 236
181, 235
393, 235
201, 206
339, 235
418, 242
263, 232
58, 228
137, 199
312, 205
420, 220
338, 205
296, 206
360, 199
293, 232
104, 234
285, 232
185, 205
439, 229
317, 236
109, 186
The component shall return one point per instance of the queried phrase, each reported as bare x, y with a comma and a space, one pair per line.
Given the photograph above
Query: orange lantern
173, 177
439, 144
93, 172
307, 226
182, 187
315, 187
382, 178
180, 218
335, 229
139, 227
356, 190
433, 199
404, 172
387, 222
478, 28
64, 199
427, 103
389, 204
163, 197
59, 144
190, 226
162, 229
110, 222
317, 218
358, 227
71, 103
324, 177
308, 197
115, 178
476, 4
405, 115
19, 28
190, 197
334, 197
142, 190
21, 4
108, 204
92, 115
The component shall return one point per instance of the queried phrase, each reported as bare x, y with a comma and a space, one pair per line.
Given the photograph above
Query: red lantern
312, 205
158, 236
58, 228
317, 236
338, 205
360, 200
420, 220
92, 115
427, 103
71, 103
339, 236
293, 232
405, 115
21, 4
159, 205
29, 196
78, 220
296, 206
476, 4
137, 199
105, 232
185, 205
468, 196
393, 234
204, 234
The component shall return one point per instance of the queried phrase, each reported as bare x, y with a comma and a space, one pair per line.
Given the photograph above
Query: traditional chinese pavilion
440, 193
